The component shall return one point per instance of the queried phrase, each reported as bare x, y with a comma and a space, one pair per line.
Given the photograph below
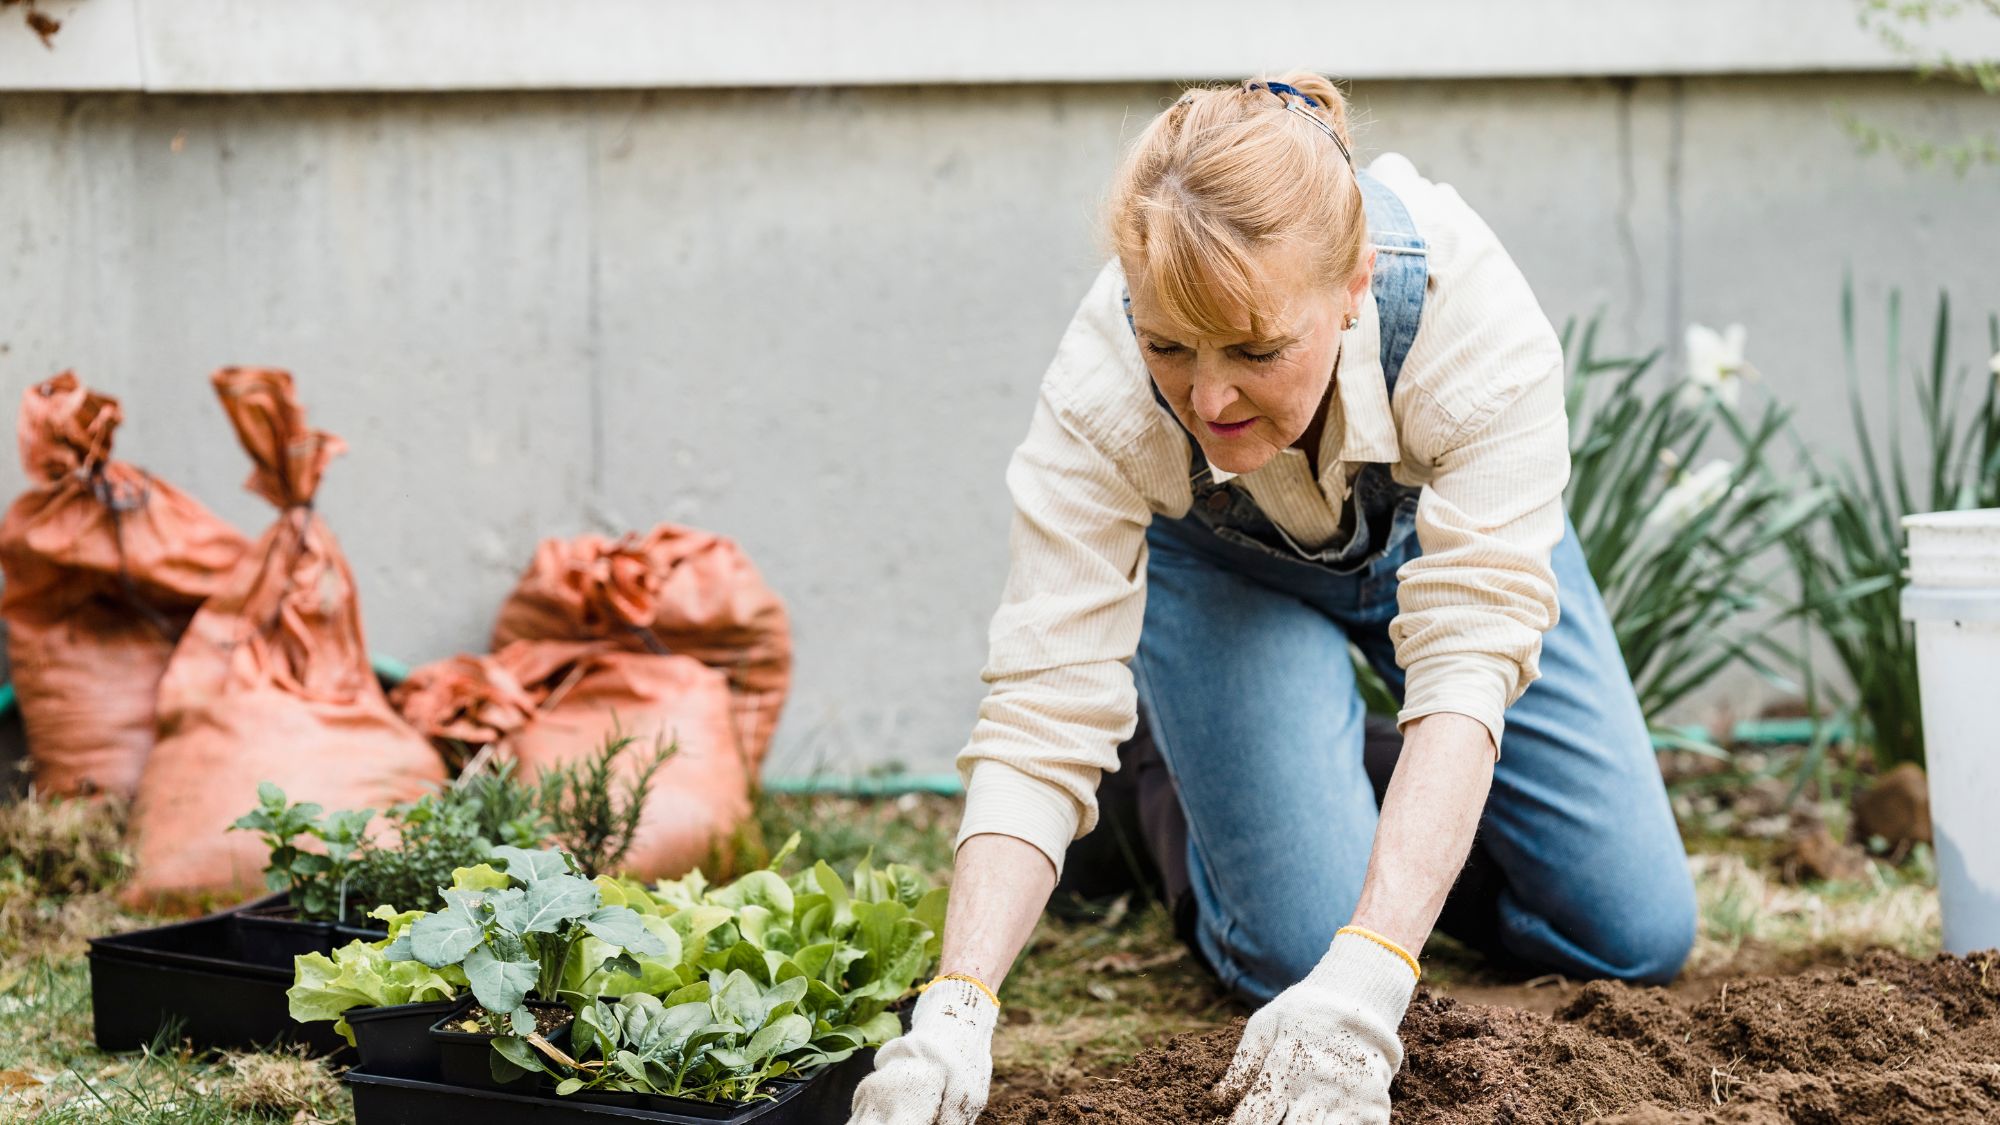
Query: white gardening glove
938, 1073
1323, 1050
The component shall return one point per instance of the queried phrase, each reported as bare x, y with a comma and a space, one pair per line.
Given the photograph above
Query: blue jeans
1244, 674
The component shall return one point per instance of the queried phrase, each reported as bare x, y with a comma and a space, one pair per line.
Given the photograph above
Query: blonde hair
1228, 171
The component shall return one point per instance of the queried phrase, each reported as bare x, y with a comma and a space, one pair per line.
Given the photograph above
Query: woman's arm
1428, 820
999, 886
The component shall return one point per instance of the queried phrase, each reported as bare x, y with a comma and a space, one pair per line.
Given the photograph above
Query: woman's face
1247, 396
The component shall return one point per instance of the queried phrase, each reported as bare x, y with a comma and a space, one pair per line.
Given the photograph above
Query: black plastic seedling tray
271, 934
396, 1041
381, 1099
188, 979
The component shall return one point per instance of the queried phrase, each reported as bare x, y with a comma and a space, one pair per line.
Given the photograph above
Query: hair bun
1332, 107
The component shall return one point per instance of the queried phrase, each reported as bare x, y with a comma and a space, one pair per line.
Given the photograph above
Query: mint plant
316, 882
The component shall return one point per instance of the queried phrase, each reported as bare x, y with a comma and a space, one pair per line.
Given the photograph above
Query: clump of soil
1896, 808
1886, 1041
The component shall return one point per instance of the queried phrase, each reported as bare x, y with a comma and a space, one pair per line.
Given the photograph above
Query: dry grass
1752, 922
291, 1085
64, 847
57, 861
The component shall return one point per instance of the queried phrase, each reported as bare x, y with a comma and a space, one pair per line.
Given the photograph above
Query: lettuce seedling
861, 946
362, 975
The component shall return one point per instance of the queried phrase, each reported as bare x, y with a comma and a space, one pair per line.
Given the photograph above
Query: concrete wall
814, 319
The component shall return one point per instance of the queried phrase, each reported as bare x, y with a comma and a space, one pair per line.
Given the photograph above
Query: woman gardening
1309, 405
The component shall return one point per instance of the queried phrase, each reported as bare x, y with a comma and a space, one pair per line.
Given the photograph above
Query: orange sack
544, 703
270, 683
104, 565
673, 590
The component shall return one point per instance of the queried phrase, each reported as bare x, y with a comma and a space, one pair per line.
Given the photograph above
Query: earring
1352, 320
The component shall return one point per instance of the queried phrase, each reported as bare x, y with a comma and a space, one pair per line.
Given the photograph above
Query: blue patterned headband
1280, 89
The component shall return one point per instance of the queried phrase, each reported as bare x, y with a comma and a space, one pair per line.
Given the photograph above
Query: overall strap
1402, 270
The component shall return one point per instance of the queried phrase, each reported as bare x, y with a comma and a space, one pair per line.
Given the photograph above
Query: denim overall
1249, 700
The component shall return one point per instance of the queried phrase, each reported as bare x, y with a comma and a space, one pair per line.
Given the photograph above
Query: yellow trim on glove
1385, 943
969, 979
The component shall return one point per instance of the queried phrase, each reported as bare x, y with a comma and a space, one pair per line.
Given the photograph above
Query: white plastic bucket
1954, 599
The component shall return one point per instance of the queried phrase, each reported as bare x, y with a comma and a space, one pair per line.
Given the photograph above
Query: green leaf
622, 927
739, 998
836, 894
596, 1030
812, 960
694, 924
786, 991
501, 986
787, 1034
529, 867
880, 1029
479, 877
758, 888
518, 1058
747, 959
625, 892
568, 1086
446, 937
930, 910
696, 993
549, 903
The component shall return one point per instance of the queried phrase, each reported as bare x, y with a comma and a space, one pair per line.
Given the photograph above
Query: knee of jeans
1649, 946
1271, 958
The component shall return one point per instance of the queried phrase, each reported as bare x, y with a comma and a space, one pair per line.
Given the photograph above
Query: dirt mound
1886, 1041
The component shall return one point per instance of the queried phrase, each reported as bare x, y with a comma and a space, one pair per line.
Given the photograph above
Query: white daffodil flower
1690, 496
1715, 363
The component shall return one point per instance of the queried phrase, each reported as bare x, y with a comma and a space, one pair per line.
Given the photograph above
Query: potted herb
332, 874
316, 883
517, 937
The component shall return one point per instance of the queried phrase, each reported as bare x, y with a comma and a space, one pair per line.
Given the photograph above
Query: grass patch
51, 1073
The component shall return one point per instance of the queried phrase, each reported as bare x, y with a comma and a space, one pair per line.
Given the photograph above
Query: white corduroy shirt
1477, 422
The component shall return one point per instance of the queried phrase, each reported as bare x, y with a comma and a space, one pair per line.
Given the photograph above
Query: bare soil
1884, 1041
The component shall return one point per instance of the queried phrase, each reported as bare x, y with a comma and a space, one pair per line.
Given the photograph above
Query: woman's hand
938, 1074
1325, 1049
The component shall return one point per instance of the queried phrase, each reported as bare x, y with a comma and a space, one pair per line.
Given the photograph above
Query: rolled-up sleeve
1490, 427
1061, 696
